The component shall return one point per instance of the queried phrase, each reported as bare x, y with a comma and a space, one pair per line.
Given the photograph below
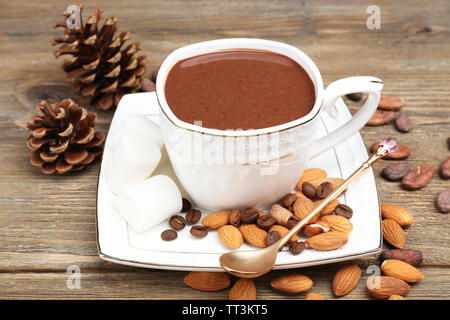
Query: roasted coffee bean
272, 237
235, 218
177, 222
265, 222
308, 190
444, 170
443, 201
343, 210
448, 143
324, 189
403, 123
297, 247
249, 217
396, 171
199, 231
401, 153
193, 216
292, 222
169, 235
356, 96
412, 257
381, 117
418, 178
288, 200
186, 205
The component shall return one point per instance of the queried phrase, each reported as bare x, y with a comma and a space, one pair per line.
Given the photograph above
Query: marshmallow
149, 203
133, 159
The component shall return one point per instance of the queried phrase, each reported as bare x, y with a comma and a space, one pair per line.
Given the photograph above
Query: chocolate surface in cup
239, 89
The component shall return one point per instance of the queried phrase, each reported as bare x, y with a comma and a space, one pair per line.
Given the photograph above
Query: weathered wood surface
48, 222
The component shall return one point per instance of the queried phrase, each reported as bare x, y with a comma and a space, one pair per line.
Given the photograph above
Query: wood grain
47, 223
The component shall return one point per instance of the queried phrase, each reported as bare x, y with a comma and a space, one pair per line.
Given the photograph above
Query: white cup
223, 169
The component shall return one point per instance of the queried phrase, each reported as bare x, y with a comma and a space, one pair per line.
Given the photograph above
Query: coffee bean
193, 216
403, 123
448, 143
272, 237
235, 218
443, 201
324, 189
249, 217
297, 247
177, 222
292, 222
356, 96
396, 171
288, 200
444, 170
199, 231
308, 190
401, 153
169, 235
381, 117
186, 205
343, 210
265, 222
418, 178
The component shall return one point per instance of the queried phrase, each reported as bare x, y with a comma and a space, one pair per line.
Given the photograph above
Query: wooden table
47, 223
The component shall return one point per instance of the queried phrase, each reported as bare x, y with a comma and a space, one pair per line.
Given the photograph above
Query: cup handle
370, 85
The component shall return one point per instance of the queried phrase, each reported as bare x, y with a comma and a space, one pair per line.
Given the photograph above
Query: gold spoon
254, 263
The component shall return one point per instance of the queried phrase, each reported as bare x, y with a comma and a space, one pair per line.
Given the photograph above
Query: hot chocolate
239, 89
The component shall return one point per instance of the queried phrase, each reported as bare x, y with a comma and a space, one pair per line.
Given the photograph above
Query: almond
292, 283
303, 207
382, 287
282, 231
207, 281
337, 223
395, 212
401, 270
336, 182
393, 233
314, 229
314, 296
329, 208
396, 297
311, 175
328, 241
243, 289
216, 219
254, 235
346, 279
230, 236
280, 214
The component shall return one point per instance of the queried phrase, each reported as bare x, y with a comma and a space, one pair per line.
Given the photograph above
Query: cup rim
238, 43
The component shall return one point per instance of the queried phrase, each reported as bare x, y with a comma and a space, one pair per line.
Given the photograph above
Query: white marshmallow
149, 203
134, 157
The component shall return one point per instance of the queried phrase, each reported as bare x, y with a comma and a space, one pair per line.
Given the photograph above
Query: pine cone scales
63, 137
102, 68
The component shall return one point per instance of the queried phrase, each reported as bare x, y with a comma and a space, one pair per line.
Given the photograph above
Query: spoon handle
378, 154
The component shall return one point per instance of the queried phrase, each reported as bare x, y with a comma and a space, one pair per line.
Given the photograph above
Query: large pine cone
102, 69
63, 137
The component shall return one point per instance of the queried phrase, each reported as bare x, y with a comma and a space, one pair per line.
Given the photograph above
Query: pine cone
63, 137
102, 69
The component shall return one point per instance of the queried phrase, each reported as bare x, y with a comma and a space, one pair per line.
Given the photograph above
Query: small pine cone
102, 69
63, 137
